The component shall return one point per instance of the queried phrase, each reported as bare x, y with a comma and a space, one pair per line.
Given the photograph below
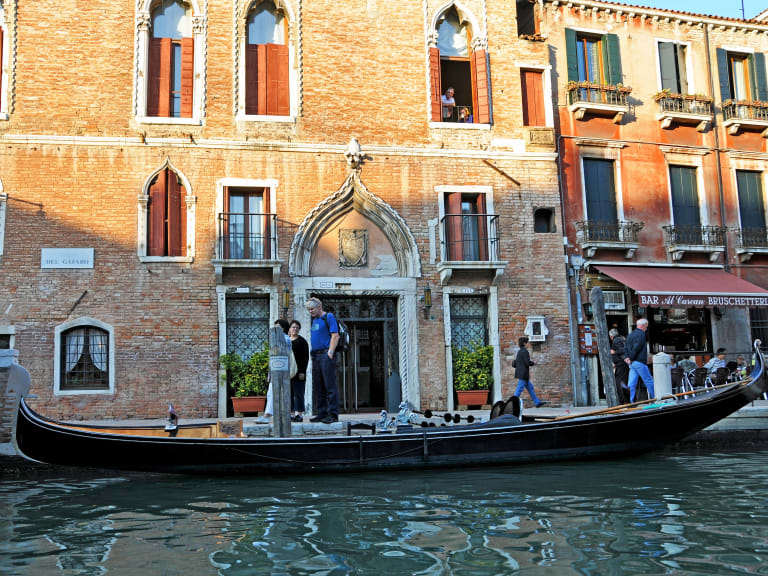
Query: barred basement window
84, 359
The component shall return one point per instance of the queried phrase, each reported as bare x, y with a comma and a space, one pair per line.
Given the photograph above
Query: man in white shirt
449, 104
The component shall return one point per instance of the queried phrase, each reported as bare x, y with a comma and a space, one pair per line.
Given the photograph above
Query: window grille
469, 321
85, 359
247, 325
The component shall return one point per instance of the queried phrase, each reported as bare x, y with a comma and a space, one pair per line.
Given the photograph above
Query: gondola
606, 433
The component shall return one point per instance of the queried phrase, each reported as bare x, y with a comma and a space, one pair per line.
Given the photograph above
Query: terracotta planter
472, 397
249, 404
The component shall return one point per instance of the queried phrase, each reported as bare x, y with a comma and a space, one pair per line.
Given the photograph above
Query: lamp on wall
588, 309
286, 300
427, 301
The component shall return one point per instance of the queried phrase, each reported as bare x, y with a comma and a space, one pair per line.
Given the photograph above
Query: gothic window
267, 83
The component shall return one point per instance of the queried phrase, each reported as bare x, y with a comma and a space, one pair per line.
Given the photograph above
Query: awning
687, 287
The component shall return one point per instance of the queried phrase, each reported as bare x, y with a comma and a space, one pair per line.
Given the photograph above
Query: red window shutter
482, 227
278, 90
453, 229
224, 224
435, 90
480, 77
267, 224
1, 56
261, 71
533, 98
187, 76
159, 77
156, 217
251, 79
177, 217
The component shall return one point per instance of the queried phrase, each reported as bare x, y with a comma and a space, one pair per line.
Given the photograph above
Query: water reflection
681, 514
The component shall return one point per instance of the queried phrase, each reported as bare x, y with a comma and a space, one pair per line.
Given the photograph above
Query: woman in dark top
523, 364
301, 355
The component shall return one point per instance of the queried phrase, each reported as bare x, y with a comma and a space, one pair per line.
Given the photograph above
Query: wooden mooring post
279, 369
604, 345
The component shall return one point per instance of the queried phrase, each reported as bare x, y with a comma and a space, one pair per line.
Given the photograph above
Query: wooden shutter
435, 88
251, 79
482, 227
187, 76
453, 230
751, 207
1, 56
533, 98
267, 224
156, 217
177, 217
600, 191
722, 70
611, 59
571, 51
761, 85
278, 89
668, 63
261, 81
159, 77
224, 224
482, 103
685, 197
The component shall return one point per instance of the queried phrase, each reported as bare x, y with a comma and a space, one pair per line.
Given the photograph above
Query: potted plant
472, 373
248, 379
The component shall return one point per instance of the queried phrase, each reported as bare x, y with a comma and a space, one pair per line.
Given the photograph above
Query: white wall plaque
66, 258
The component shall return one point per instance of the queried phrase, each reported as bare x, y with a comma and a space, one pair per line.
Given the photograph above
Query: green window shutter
752, 77
570, 49
761, 83
668, 63
722, 69
750, 192
612, 59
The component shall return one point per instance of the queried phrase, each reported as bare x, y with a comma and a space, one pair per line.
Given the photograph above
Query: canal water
674, 513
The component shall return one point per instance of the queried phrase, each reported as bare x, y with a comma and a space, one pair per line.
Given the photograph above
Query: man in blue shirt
323, 341
637, 358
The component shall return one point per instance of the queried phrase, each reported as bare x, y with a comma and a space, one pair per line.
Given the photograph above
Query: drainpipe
726, 258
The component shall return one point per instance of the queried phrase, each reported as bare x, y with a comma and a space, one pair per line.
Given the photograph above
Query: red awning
687, 287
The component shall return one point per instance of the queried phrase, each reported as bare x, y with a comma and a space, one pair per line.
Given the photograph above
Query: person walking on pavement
324, 337
637, 359
522, 365
620, 367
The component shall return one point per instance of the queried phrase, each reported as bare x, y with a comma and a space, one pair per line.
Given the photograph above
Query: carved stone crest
353, 247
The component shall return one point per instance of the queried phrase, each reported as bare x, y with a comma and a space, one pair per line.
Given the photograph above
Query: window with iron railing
605, 231
84, 359
470, 237
247, 236
695, 235
752, 237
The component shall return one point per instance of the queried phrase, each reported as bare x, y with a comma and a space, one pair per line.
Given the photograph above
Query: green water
656, 514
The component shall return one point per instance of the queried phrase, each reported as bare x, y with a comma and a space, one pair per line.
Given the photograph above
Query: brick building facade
179, 169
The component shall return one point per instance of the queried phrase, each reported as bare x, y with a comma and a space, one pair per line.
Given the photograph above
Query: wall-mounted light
427, 301
286, 301
588, 312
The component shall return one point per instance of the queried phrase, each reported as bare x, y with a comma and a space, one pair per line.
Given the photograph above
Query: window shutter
187, 76
722, 69
278, 102
267, 225
251, 78
533, 98
261, 71
1, 56
761, 85
611, 59
159, 77
482, 111
225, 223
482, 227
177, 221
453, 230
668, 63
571, 49
157, 206
434, 85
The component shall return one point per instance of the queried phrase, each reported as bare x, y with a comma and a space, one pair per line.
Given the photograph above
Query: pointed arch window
455, 64
267, 62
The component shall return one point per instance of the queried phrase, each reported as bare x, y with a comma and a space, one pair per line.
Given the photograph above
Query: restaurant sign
701, 301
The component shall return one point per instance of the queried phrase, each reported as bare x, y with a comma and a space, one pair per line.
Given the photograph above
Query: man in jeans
324, 339
637, 359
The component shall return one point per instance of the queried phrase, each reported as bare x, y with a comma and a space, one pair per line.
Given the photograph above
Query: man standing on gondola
637, 359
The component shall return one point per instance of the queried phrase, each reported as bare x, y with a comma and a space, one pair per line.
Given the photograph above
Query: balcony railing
698, 106
247, 236
607, 235
682, 239
738, 114
751, 241
597, 99
470, 237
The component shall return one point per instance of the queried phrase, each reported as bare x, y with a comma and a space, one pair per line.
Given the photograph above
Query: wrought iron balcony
246, 240
682, 239
469, 242
738, 114
751, 241
594, 235
685, 110
608, 99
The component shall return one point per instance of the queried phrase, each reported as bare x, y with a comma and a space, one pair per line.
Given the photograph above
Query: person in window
449, 104
522, 366
717, 361
464, 116
298, 382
